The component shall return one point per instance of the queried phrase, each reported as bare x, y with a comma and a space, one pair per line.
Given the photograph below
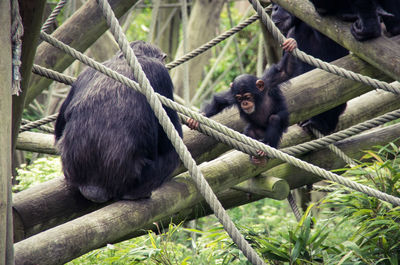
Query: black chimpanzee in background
111, 144
316, 44
366, 13
260, 102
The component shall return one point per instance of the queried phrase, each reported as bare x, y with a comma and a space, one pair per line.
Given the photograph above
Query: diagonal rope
54, 75
293, 206
223, 129
212, 42
393, 87
335, 149
38, 123
50, 20
337, 136
146, 89
43, 128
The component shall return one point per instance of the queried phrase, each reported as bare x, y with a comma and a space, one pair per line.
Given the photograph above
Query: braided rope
334, 149
335, 137
38, 123
53, 15
393, 87
17, 30
221, 128
302, 148
293, 205
212, 42
54, 75
43, 128
146, 89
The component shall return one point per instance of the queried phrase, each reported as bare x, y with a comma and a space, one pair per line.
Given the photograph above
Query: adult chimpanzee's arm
219, 102
61, 120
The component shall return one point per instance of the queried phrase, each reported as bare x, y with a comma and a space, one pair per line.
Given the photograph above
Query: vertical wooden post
31, 13
6, 229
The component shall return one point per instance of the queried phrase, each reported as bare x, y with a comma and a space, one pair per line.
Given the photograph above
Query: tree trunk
6, 228
382, 52
80, 31
123, 219
198, 23
168, 30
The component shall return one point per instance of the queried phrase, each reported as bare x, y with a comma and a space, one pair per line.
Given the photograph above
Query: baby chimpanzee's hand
289, 44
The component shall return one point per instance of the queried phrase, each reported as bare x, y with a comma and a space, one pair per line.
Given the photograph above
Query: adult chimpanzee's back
111, 144
316, 44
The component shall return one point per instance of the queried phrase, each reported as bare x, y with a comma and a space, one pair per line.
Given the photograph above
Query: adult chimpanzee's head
141, 48
248, 91
282, 18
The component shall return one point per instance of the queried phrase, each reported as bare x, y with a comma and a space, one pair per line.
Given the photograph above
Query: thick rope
221, 128
393, 87
54, 75
50, 20
335, 137
38, 123
17, 30
334, 149
146, 89
43, 128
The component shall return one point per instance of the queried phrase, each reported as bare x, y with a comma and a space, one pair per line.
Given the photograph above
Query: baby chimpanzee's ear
260, 85
231, 84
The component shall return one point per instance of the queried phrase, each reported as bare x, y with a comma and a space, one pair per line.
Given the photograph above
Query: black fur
111, 144
366, 13
316, 44
270, 118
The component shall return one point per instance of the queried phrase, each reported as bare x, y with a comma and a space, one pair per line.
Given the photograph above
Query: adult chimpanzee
316, 44
260, 102
367, 12
111, 144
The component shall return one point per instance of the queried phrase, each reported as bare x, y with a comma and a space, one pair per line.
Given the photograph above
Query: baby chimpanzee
260, 102
111, 144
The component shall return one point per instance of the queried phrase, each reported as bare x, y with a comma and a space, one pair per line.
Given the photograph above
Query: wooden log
6, 228
121, 219
265, 185
80, 31
37, 142
383, 53
51, 203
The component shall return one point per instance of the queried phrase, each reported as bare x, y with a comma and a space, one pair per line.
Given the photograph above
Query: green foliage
374, 237
139, 26
41, 170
